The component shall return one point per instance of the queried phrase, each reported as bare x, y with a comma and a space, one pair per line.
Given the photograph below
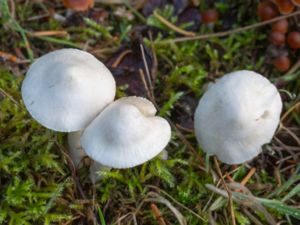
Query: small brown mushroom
277, 38
285, 6
210, 16
281, 26
282, 63
78, 5
293, 39
266, 10
296, 2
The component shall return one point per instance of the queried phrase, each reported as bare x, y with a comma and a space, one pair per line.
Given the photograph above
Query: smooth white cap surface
126, 134
237, 115
65, 89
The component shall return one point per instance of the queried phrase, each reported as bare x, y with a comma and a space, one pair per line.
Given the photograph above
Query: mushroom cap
78, 5
65, 89
237, 115
126, 134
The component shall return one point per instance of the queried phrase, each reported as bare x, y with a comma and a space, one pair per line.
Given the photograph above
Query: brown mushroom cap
296, 2
210, 16
266, 10
281, 26
293, 39
277, 38
78, 5
285, 6
282, 63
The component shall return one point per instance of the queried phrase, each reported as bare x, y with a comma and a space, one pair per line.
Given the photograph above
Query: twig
294, 136
289, 111
10, 98
157, 214
120, 58
48, 33
230, 202
248, 176
142, 75
233, 31
173, 26
147, 70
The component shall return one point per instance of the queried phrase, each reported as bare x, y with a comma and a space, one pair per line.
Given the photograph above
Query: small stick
147, 69
120, 58
233, 31
4, 93
248, 176
277, 176
294, 136
48, 33
173, 26
157, 214
289, 111
142, 75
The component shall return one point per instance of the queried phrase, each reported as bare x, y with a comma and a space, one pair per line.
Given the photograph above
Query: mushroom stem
164, 155
76, 151
95, 168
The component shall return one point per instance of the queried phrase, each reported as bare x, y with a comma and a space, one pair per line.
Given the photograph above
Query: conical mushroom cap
237, 115
65, 89
126, 134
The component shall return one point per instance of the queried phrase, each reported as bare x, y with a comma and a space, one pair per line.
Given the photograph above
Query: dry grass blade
142, 75
173, 27
147, 71
230, 202
246, 200
60, 33
120, 58
248, 176
5, 94
295, 106
291, 133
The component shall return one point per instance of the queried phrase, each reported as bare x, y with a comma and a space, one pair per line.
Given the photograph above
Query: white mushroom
237, 115
126, 134
65, 89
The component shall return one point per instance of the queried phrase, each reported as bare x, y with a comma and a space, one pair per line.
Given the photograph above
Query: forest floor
39, 184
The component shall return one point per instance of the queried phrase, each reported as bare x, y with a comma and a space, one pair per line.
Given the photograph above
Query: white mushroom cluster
69, 90
237, 115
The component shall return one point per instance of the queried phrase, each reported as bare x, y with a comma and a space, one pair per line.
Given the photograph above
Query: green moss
31, 167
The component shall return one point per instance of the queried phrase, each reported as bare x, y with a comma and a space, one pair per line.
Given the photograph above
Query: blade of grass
101, 216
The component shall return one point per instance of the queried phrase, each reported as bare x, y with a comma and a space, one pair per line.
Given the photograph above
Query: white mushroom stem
95, 168
77, 153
